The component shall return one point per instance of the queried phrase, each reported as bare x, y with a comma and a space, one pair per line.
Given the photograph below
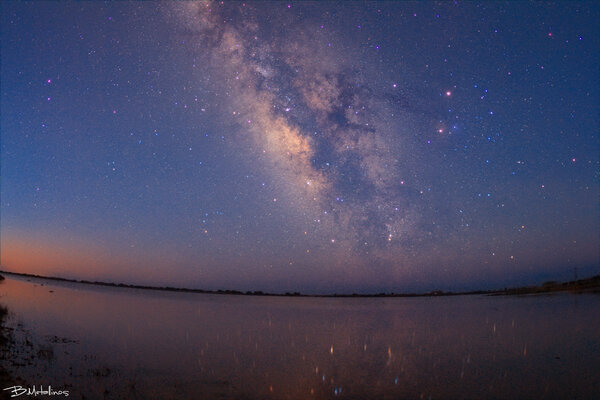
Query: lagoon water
108, 342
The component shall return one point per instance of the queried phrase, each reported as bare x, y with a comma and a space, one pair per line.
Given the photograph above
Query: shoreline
88, 367
586, 285
8, 349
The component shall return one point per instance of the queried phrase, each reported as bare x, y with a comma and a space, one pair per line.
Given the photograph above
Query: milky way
332, 140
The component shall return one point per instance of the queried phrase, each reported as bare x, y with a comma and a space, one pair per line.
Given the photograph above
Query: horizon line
578, 285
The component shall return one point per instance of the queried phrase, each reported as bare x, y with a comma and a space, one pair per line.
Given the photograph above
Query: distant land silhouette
587, 285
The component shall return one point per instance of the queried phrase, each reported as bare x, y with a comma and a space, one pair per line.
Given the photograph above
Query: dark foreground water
100, 342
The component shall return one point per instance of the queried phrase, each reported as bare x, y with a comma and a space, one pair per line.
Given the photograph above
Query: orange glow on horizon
76, 258
49, 257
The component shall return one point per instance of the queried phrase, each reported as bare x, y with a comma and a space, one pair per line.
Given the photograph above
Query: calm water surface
126, 343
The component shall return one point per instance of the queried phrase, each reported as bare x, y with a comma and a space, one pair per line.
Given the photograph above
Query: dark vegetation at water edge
4, 375
5, 340
7, 344
588, 285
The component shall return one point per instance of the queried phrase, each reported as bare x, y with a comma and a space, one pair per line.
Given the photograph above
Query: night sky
311, 146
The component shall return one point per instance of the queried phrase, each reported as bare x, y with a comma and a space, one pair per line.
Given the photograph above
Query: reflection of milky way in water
170, 345
328, 136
